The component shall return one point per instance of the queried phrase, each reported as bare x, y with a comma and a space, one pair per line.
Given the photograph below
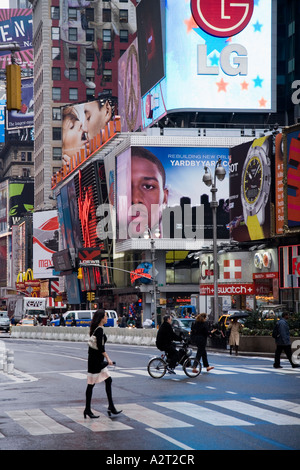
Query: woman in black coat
98, 360
199, 334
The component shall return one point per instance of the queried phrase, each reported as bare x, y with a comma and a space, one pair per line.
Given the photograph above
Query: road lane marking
37, 423
257, 412
200, 413
152, 418
283, 405
169, 439
104, 423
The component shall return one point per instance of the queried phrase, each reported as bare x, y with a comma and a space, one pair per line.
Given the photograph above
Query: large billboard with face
82, 123
161, 189
220, 56
250, 186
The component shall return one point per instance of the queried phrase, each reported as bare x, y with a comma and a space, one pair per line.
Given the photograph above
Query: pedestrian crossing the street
160, 417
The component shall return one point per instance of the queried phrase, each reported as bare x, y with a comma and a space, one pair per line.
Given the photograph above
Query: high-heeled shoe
90, 415
113, 411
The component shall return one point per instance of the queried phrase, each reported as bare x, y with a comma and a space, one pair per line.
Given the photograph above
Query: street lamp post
148, 234
207, 179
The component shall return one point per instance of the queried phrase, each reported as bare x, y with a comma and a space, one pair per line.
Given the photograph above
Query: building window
56, 133
123, 16
89, 13
72, 13
106, 55
73, 53
123, 35
55, 13
72, 34
90, 94
55, 53
107, 75
54, 33
73, 94
56, 94
56, 114
90, 74
56, 153
56, 73
106, 15
106, 35
73, 75
29, 156
90, 34
26, 172
90, 55
23, 156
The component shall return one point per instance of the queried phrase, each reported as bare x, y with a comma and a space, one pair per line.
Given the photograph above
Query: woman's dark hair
97, 317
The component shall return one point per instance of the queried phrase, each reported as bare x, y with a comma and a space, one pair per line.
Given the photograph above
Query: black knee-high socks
89, 393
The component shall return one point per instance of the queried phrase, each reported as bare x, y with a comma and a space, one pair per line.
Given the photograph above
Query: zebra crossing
159, 416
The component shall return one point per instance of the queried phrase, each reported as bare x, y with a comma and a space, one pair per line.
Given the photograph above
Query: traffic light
13, 87
79, 275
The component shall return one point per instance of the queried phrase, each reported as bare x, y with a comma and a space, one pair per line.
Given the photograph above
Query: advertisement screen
82, 123
161, 189
149, 33
214, 58
16, 26
292, 176
21, 200
45, 242
250, 186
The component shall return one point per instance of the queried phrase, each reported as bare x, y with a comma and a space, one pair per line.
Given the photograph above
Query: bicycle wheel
192, 367
156, 368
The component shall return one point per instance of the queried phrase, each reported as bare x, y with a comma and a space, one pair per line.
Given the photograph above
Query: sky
4, 3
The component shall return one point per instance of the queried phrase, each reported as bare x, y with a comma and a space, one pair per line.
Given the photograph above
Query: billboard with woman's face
161, 189
81, 123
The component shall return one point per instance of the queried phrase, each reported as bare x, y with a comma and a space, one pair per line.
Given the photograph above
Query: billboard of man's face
148, 188
161, 189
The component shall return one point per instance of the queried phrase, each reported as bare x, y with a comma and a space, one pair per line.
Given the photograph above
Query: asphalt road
242, 404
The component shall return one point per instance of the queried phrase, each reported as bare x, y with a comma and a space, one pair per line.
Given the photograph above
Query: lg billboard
218, 56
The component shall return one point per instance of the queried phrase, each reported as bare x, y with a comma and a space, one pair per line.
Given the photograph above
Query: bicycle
158, 366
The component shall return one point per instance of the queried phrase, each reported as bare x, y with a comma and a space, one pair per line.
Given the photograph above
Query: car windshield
187, 323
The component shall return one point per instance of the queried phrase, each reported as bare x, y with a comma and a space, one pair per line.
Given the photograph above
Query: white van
84, 318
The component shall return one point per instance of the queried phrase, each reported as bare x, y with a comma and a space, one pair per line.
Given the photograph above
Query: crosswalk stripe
206, 415
284, 405
37, 423
152, 418
242, 370
257, 412
96, 425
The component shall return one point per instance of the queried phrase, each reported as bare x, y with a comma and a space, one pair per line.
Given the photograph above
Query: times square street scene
149, 228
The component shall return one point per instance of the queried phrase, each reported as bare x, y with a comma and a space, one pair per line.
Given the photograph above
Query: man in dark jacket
283, 342
164, 342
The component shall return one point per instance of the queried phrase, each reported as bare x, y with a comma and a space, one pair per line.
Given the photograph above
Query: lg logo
296, 94
222, 18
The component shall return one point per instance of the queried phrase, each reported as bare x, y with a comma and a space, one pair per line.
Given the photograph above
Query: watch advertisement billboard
214, 59
250, 185
161, 189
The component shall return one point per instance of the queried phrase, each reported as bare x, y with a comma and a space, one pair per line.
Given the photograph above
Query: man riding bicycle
164, 342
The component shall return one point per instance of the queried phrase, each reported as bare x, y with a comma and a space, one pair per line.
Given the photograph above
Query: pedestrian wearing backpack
283, 342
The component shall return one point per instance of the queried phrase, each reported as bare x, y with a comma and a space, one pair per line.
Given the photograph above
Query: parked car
182, 326
230, 314
4, 321
28, 321
272, 312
